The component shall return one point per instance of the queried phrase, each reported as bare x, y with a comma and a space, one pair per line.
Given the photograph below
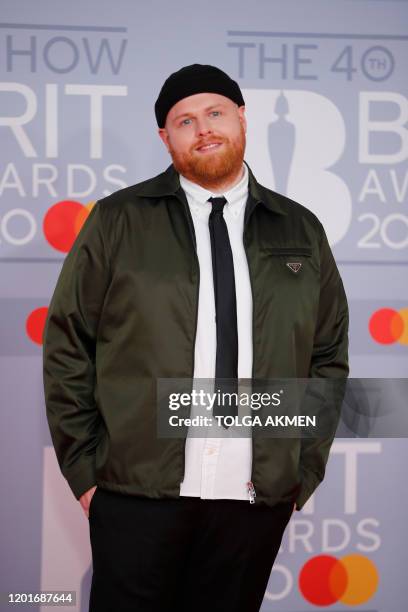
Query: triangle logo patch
294, 266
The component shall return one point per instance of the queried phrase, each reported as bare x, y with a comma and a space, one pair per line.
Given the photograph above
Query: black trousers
165, 555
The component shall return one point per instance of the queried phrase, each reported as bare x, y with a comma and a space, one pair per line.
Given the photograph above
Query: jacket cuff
310, 482
82, 480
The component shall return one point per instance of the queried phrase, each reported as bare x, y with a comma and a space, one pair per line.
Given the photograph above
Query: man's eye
186, 122
215, 113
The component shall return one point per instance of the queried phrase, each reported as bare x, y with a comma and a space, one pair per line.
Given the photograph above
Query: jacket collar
168, 184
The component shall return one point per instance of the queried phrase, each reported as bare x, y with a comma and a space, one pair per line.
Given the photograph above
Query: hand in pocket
85, 500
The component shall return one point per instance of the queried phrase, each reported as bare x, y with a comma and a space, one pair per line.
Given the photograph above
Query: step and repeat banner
325, 85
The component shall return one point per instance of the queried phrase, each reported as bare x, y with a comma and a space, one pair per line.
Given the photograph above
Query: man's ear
242, 118
164, 136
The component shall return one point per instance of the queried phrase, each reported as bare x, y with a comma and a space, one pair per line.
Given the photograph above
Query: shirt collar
236, 196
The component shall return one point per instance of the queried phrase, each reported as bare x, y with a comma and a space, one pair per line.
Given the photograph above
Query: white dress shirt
219, 467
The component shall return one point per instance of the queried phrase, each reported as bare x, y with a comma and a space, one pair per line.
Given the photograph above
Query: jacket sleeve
69, 348
329, 360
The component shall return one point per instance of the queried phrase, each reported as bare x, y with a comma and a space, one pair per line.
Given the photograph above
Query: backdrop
325, 82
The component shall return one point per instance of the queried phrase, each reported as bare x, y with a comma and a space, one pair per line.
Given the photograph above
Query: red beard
212, 169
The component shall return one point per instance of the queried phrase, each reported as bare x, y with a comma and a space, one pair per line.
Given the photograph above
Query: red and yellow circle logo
325, 580
387, 326
35, 324
63, 221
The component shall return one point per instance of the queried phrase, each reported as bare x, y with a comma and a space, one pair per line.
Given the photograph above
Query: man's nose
203, 126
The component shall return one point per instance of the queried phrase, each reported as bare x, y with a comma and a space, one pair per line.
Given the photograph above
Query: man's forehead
198, 102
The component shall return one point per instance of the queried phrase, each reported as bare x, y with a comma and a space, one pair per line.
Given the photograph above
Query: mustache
207, 141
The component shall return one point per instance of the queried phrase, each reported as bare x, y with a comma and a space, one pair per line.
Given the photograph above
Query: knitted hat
194, 79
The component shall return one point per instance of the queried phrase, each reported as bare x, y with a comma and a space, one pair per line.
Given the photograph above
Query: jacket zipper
251, 492
250, 484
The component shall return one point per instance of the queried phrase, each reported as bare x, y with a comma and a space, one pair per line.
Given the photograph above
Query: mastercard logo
351, 580
35, 324
387, 326
63, 221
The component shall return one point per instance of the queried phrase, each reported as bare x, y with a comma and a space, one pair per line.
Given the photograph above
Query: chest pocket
304, 251
291, 258
290, 279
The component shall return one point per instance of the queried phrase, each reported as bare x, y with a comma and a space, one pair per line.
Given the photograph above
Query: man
197, 273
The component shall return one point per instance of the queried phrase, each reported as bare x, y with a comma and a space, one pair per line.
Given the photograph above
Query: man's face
205, 136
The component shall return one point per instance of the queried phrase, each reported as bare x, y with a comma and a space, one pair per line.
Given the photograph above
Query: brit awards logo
294, 140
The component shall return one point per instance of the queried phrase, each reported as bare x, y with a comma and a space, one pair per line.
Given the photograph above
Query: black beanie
194, 79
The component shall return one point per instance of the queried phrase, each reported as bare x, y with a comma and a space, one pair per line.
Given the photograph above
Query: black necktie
226, 365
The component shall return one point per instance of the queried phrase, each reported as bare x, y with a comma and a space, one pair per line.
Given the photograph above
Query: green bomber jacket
124, 313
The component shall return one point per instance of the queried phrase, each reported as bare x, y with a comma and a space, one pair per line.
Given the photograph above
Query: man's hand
85, 500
